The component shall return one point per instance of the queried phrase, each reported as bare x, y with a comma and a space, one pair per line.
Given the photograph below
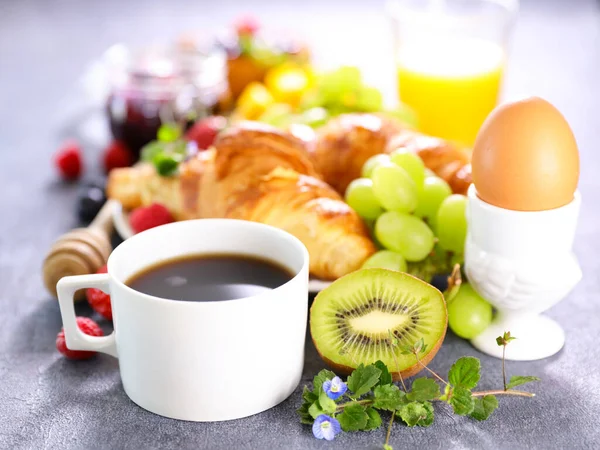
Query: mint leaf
465, 372
326, 404
315, 410
388, 397
168, 132
423, 389
385, 377
518, 380
150, 150
353, 418
374, 420
305, 416
412, 413
363, 379
484, 407
425, 422
320, 378
461, 401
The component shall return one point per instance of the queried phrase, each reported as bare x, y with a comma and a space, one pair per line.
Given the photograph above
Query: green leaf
353, 418
309, 396
518, 380
327, 404
446, 395
388, 397
374, 420
305, 416
465, 372
412, 413
387, 447
504, 339
425, 422
461, 400
166, 164
423, 389
385, 377
315, 410
320, 378
168, 132
363, 379
484, 407
150, 150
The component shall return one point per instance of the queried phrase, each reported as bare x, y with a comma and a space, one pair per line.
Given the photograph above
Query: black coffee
205, 278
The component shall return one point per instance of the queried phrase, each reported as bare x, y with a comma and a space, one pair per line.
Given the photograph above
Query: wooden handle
103, 219
80, 251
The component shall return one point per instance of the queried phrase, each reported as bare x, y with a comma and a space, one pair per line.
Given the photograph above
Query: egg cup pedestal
522, 263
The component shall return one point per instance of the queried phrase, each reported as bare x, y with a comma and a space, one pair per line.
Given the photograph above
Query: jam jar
163, 85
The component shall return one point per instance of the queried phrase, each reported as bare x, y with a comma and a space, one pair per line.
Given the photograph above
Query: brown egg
525, 157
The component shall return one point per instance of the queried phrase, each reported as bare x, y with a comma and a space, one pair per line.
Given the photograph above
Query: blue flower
326, 427
335, 388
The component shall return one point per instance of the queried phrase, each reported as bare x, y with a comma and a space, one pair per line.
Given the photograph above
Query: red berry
204, 131
68, 160
98, 300
246, 26
88, 326
117, 155
148, 217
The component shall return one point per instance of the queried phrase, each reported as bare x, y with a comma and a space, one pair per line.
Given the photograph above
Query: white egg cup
522, 263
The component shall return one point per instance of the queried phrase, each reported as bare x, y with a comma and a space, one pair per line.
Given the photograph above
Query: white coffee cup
201, 361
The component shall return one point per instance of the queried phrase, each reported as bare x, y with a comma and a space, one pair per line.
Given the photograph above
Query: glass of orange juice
450, 58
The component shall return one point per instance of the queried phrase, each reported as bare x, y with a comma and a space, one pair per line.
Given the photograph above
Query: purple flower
335, 388
326, 427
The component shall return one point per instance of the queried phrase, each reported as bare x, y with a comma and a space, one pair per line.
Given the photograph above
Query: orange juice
451, 85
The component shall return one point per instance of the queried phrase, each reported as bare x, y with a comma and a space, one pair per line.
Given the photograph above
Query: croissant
255, 172
346, 142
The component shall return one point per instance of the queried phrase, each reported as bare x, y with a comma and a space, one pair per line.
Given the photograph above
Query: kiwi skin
396, 376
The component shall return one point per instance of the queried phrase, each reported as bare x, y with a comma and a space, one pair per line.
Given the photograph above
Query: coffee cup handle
75, 338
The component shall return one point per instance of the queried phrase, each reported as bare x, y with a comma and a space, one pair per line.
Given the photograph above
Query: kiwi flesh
370, 314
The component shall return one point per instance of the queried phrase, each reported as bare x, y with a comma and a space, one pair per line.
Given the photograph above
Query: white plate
121, 222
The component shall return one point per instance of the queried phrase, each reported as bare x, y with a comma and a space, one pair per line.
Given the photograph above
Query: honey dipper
80, 251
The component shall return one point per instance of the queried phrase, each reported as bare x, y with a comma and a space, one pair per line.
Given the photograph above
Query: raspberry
117, 155
246, 26
148, 217
98, 300
68, 160
204, 131
88, 326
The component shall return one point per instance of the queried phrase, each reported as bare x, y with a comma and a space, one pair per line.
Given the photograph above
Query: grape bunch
410, 210
421, 227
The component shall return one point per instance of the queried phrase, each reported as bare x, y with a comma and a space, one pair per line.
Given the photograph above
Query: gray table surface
47, 401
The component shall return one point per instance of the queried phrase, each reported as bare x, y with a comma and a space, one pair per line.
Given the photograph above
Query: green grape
468, 313
360, 197
369, 99
278, 115
315, 117
372, 162
405, 234
386, 259
394, 188
434, 192
451, 223
333, 85
429, 172
411, 163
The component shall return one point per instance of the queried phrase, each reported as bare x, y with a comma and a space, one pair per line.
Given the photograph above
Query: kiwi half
352, 321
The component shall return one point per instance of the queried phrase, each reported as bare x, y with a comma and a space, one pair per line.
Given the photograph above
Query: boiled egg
525, 157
